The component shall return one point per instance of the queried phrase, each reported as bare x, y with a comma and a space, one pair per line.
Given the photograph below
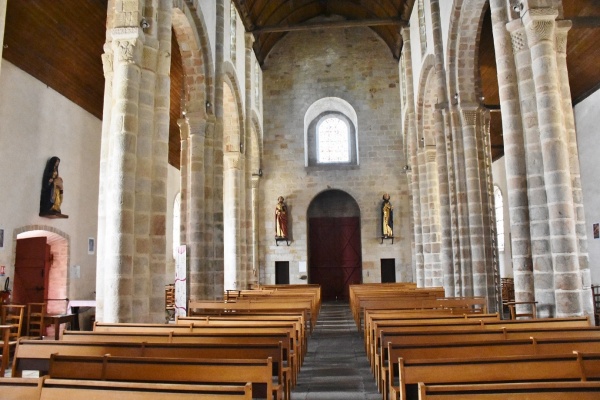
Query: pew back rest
165, 370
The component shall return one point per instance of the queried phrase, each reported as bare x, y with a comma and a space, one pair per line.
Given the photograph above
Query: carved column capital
249, 40
469, 116
518, 37
127, 45
405, 33
540, 24
562, 30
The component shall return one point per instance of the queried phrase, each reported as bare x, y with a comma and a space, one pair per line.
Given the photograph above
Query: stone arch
333, 219
59, 242
192, 36
425, 84
255, 150
233, 144
463, 44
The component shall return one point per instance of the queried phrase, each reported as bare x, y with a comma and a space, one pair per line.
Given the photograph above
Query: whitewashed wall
37, 123
587, 120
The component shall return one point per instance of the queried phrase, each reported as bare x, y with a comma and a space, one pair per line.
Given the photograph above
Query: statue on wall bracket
387, 218
281, 222
51, 197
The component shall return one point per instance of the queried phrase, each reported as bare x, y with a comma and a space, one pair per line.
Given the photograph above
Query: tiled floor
336, 366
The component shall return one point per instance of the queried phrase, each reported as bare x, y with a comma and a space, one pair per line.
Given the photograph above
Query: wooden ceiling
61, 45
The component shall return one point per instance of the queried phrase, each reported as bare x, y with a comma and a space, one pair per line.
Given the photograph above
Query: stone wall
356, 66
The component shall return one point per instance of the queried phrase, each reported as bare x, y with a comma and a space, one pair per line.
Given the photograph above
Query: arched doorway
335, 257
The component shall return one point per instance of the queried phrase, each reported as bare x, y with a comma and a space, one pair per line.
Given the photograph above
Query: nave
335, 366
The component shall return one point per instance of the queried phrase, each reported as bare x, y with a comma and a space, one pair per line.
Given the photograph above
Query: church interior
339, 172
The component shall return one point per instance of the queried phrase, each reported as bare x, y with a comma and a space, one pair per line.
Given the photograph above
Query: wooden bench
513, 391
44, 388
454, 334
169, 370
196, 337
20, 388
297, 347
574, 367
390, 328
35, 354
457, 305
306, 306
496, 348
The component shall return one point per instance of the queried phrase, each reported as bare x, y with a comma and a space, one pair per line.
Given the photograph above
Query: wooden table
57, 320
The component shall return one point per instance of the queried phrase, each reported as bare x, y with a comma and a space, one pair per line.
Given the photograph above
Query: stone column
541, 254
562, 29
540, 30
424, 275
162, 96
107, 63
432, 267
514, 154
462, 270
127, 46
193, 203
255, 180
471, 161
413, 145
214, 238
445, 231
251, 247
231, 219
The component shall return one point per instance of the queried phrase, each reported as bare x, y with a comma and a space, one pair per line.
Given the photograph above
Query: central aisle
336, 366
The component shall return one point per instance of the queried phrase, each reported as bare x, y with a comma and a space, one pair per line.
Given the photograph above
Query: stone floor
336, 366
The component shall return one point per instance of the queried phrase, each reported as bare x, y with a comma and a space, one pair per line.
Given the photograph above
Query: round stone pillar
540, 29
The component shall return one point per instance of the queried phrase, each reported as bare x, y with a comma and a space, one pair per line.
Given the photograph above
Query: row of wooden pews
234, 353
435, 354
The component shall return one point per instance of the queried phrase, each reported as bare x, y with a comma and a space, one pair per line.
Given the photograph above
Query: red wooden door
32, 265
335, 255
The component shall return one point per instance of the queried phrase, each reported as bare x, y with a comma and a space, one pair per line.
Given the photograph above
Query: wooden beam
585, 22
330, 25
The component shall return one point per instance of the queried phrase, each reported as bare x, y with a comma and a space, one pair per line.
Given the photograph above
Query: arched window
499, 202
333, 142
176, 224
330, 134
232, 31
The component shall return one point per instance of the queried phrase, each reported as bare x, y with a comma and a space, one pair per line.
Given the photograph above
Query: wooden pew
496, 348
169, 370
44, 388
297, 346
201, 325
457, 305
251, 306
20, 388
372, 332
390, 329
457, 333
35, 354
196, 337
575, 367
512, 391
